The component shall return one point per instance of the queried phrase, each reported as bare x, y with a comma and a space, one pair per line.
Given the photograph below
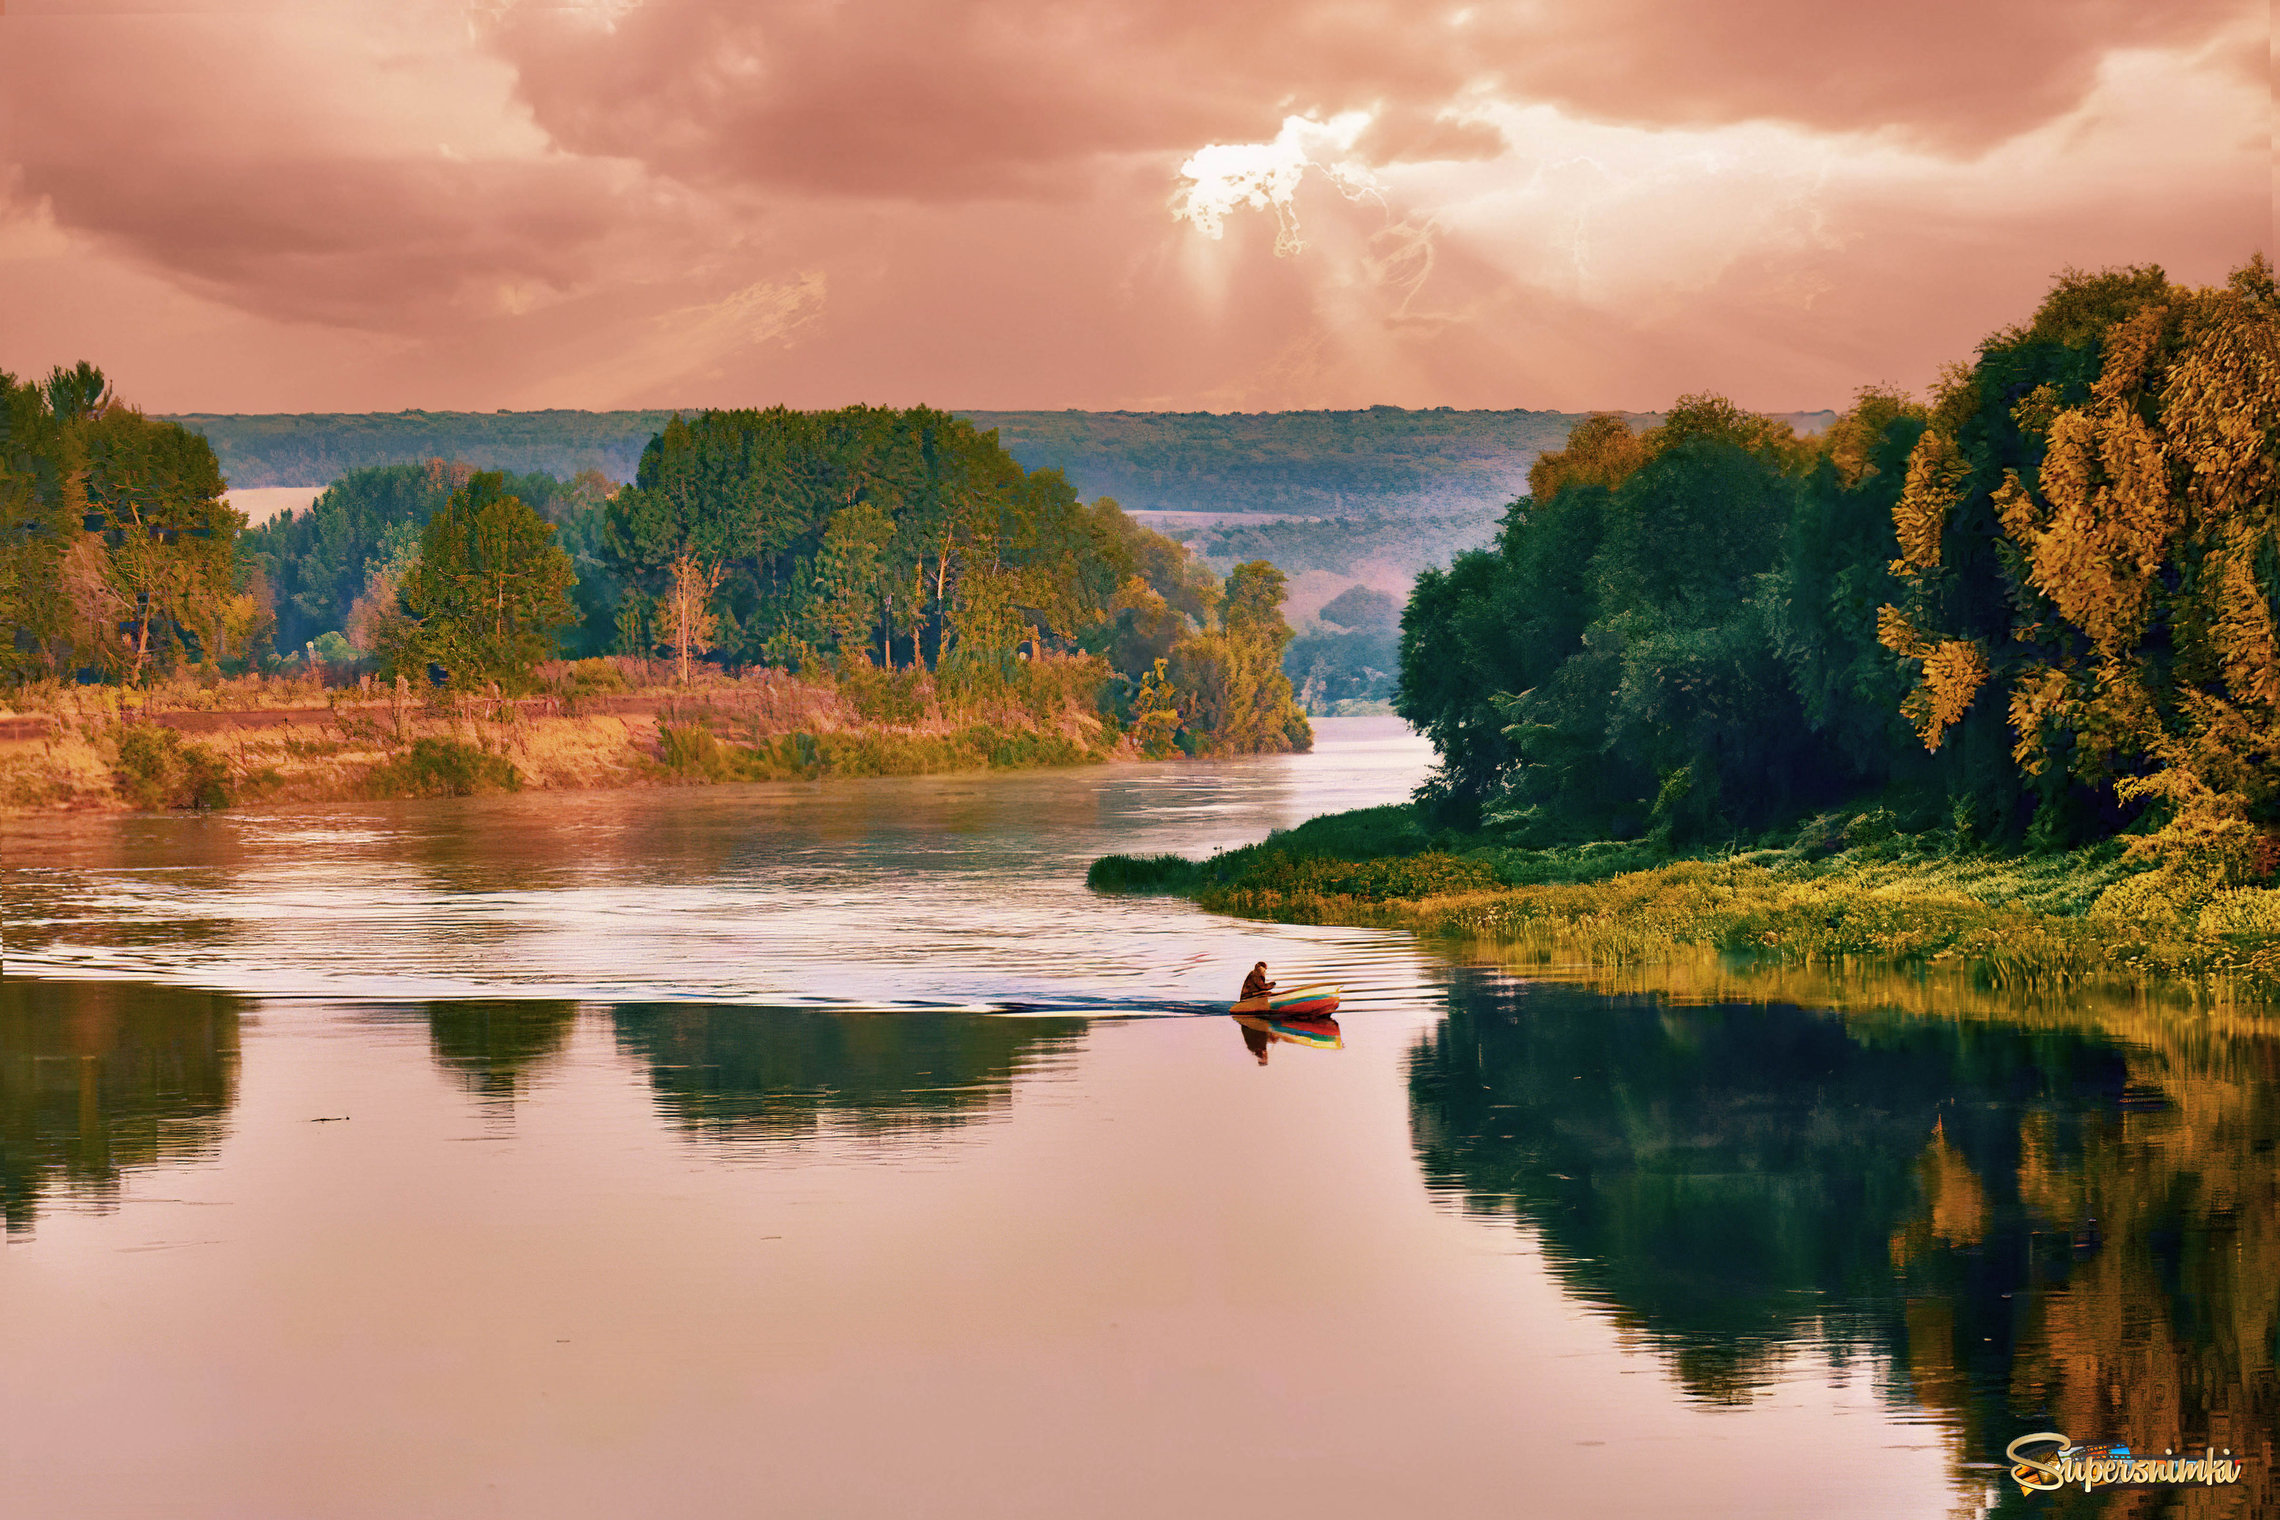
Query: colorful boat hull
1311, 1002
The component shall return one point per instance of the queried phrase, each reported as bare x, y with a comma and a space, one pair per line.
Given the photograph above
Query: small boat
1295, 1003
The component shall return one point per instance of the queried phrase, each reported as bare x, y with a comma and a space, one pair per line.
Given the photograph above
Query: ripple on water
903, 893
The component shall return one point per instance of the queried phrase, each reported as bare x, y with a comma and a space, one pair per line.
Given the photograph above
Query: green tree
490, 588
319, 561
155, 587
1233, 694
850, 577
39, 526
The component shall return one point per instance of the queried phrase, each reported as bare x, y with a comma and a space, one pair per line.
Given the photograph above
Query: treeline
319, 563
118, 554
1380, 461
910, 538
863, 537
306, 449
2026, 609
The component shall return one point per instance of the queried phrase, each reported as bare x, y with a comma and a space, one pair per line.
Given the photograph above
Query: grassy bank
1843, 891
594, 724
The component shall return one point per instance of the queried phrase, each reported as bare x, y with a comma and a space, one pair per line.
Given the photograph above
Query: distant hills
1381, 493
317, 448
1383, 461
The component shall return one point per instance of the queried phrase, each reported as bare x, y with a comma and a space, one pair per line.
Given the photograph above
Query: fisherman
1256, 984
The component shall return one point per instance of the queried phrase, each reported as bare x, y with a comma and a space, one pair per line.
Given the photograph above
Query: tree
39, 501
155, 584
321, 560
2089, 535
1616, 662
849, 570
1233, 694
488, 592
685, 622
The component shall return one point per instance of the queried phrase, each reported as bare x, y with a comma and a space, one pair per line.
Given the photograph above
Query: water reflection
497, 1045
99, 1079
777, 1075
1261, 1035
2023, 1228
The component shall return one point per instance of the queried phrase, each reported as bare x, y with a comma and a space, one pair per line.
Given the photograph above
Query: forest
2036, 608
1334, 499
815, 542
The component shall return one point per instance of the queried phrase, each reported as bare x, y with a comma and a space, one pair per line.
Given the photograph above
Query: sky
321, 205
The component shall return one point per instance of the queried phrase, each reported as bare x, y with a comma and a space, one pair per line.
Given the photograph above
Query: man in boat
1256, 984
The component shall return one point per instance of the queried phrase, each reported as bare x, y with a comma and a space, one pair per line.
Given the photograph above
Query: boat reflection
1261, 1034
99, 1079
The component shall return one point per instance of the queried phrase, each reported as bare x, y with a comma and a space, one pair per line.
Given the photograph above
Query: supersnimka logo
2047, 1460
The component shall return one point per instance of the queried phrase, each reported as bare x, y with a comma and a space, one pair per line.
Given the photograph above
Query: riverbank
1845, 892
596, 724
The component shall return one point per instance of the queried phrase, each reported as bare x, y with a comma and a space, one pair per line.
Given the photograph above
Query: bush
443, 768
693, 752
1143, 873
157, 768
882, 696
591, 677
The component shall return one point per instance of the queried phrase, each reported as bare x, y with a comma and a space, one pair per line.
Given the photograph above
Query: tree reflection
495, 1045
777, 1075
99, 1078
2024, 1228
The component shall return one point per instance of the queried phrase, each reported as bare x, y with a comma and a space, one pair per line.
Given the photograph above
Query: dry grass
596, 724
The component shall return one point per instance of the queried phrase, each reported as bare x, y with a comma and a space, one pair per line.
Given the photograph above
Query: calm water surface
828, 1149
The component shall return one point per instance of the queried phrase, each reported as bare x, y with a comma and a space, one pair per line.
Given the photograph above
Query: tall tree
490, 589
685, 623
2112, 475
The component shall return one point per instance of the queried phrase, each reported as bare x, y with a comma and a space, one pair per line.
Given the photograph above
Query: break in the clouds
278, 204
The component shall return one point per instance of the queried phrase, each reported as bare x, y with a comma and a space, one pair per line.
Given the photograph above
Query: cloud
942, 99
432, 203
1265, 176
351, 167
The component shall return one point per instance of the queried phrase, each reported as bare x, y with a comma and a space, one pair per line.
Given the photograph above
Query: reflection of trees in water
773, 1074
2030, 1229
495, 1045
97, 1078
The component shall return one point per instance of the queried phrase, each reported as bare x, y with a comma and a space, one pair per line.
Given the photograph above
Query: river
829, 1149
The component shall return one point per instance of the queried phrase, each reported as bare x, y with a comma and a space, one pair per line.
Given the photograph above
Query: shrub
1143, 873
443, 768
882, 696
588, 677
158, 768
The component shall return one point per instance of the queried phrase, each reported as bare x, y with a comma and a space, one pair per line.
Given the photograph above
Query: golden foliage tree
685, 622
2136, 538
